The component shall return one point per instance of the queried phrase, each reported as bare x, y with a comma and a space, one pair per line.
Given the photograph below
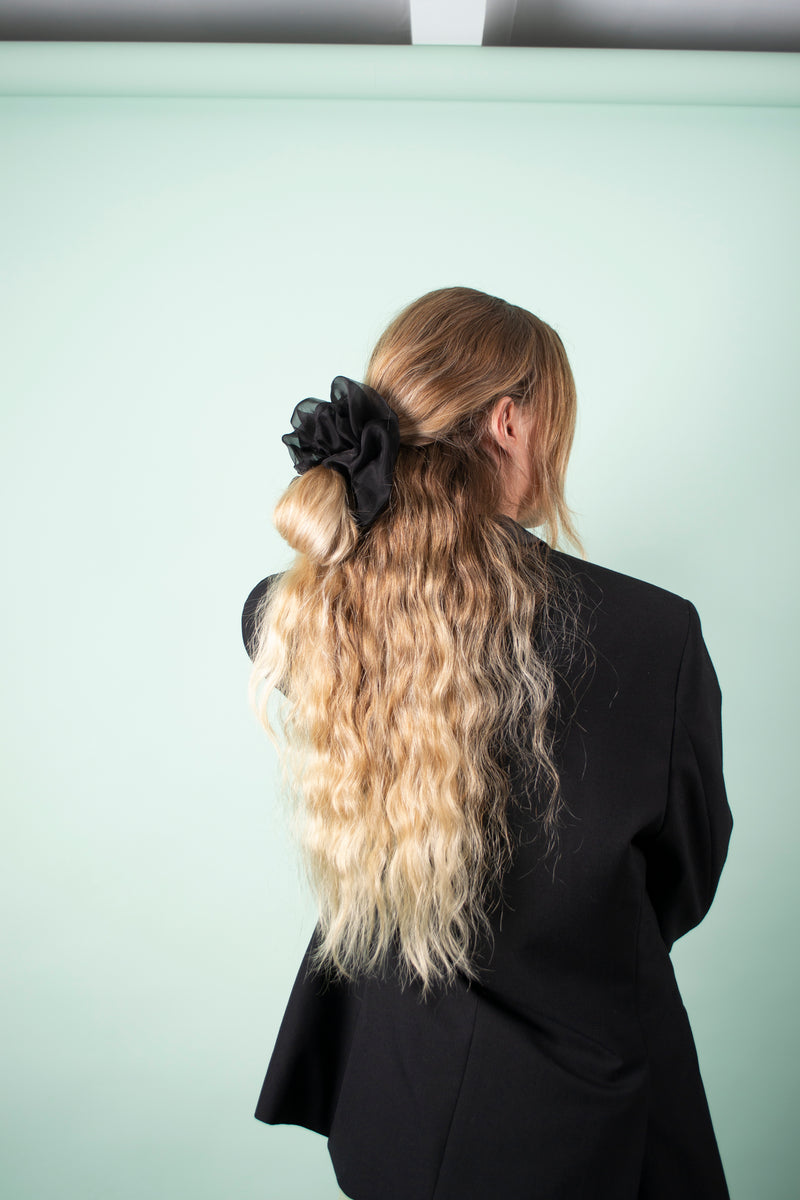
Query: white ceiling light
447, 22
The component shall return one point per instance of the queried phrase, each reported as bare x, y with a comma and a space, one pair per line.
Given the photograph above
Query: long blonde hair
408, 655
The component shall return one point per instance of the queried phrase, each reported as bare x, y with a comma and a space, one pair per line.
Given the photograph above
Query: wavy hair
413, 655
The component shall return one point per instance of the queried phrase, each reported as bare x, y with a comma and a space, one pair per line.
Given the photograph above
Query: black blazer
569, 1072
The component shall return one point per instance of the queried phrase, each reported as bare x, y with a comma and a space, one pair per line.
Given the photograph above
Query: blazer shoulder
616, 585
250, 609
632, 611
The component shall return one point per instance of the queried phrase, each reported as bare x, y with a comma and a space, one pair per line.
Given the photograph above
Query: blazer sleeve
686, 856
249, 614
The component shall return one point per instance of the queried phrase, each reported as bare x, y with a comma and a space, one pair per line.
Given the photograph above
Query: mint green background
178, 271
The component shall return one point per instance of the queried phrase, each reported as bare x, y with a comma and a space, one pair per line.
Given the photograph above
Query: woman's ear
502, 423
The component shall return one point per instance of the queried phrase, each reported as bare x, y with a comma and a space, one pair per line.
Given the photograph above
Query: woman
506, 767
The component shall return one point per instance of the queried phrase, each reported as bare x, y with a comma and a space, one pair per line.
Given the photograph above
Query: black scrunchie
356, 433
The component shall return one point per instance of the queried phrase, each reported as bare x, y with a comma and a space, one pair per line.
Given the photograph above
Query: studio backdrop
194, 238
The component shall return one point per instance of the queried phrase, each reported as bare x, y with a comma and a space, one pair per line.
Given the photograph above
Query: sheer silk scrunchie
357, 434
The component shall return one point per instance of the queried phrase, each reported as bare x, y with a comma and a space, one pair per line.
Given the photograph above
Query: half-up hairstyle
411, 654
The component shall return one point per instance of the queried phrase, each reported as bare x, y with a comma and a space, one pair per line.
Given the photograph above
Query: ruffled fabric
357, 434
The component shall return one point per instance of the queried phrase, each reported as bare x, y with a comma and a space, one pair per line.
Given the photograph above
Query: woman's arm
686, 856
